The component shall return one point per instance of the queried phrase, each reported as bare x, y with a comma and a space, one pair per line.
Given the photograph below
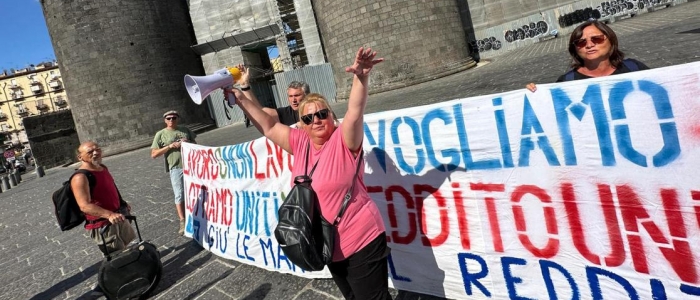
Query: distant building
31, 91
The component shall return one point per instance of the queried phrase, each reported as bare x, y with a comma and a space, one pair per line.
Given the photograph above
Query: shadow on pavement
61, 287
196, 293
259, 293
177, 267
173, 270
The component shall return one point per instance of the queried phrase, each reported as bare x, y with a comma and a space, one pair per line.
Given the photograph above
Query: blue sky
24, 38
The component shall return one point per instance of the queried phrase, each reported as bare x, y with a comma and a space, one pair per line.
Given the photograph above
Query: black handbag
304, 236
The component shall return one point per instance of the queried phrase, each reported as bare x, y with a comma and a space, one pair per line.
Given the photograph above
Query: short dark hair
616, 56
300, 85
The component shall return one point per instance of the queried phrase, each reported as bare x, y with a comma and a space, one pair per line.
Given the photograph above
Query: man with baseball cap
167, 142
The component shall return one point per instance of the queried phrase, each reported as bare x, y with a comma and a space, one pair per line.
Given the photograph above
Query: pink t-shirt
331, 180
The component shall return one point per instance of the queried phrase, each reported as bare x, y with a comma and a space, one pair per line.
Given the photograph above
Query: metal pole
6, 182
13, 180
18, 176
39, 170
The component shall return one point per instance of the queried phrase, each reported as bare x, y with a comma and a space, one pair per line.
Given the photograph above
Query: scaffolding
233, 32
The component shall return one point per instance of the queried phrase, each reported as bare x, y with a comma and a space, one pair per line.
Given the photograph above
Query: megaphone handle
230, 97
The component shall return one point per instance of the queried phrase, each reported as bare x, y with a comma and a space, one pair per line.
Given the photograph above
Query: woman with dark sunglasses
359, 265
595, 53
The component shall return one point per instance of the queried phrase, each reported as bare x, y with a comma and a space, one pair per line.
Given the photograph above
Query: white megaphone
199, 87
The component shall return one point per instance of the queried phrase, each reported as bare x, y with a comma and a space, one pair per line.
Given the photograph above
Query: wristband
245, 88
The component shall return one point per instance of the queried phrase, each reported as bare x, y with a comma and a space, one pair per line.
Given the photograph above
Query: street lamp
46, 86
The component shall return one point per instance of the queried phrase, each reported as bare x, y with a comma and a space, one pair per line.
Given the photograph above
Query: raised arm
268, 125
272, 112
354, 117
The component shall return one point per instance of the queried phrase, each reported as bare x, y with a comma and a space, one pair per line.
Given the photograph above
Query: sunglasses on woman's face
321, 115
596, 39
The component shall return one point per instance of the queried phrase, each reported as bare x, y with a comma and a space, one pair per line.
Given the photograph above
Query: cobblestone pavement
41, 262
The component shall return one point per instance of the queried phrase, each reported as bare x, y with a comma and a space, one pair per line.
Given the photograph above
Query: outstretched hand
364, 62
245, 75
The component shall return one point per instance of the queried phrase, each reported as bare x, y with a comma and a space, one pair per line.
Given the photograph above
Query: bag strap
306, 162
630, 64
348, 195
569, 76
91, 178
92, 182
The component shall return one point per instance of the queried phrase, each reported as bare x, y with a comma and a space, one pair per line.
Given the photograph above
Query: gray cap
171, 112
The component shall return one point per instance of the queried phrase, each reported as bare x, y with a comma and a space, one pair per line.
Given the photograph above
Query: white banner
581, 190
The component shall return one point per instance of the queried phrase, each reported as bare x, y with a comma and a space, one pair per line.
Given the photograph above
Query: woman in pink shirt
359, 265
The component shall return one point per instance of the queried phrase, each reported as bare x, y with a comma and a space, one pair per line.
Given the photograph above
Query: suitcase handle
104, 230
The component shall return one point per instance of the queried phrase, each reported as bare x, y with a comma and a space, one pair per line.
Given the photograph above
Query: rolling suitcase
131, 273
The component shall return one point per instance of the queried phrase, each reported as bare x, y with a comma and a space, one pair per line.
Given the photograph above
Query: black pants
364, 275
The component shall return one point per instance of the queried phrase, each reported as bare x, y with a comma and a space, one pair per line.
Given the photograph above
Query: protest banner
581, 190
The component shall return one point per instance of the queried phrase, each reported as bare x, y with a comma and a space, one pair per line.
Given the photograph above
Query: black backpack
304, 236
68, 213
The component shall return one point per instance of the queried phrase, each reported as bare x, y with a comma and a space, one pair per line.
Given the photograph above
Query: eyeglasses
596, 39
171, 118
321, 115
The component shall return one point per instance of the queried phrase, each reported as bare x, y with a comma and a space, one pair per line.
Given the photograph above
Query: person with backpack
330, 152
595, 52
100, 201
98, 198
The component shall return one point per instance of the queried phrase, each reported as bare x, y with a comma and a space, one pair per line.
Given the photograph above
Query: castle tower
420, 40
123, 64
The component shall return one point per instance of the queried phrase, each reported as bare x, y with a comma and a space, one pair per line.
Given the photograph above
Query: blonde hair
320, 101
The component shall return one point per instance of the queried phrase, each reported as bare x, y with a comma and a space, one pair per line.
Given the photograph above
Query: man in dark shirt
288, 115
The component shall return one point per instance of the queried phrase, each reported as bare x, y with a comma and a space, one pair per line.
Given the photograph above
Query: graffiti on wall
490, 43
607, 9
527, 31
642, 4
616, 7
578, 16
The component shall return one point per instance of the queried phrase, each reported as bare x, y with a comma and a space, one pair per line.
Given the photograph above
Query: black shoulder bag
306, 238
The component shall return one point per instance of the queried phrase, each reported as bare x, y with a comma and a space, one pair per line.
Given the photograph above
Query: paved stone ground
41, 262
